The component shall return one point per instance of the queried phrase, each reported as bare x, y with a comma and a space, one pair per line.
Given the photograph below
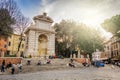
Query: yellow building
13, 42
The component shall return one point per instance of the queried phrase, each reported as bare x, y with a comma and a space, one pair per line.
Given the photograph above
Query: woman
3, 66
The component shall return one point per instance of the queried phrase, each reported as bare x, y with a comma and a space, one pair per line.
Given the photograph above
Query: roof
43, 17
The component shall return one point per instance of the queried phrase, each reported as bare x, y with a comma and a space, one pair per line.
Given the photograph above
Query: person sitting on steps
19, 66
71, 64
48, 61
39, 62
28, 62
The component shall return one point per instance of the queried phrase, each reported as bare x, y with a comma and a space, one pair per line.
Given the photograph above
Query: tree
5, 23
5, 27
12, 8
63, 36
88, 39
77, 35
20, 28
21, 22
112, 25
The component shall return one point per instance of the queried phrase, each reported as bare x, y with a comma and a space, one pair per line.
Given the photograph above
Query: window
117, 53
116, 46
22, 45
5, 46
9, 43
27, 40
108, 47
10, 36
23, 39
19, 38
8, 52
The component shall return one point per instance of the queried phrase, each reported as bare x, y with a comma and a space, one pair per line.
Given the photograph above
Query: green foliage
112, 25
77, 35
87, 38
14, 55
63, 35
5, 23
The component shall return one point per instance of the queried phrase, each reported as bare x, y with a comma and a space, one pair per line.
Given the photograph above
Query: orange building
3, 47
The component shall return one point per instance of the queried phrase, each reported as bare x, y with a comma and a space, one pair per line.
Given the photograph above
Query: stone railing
82, 60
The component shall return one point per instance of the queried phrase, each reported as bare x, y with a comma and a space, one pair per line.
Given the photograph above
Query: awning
103, 58
114, 59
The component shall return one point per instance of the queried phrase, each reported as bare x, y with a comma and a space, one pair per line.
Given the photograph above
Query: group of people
46, 61
10, 66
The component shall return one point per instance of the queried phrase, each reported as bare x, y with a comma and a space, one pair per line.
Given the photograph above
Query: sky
89, 12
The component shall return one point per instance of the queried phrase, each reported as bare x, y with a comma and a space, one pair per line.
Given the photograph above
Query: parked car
114, 62
107, 61
99, 64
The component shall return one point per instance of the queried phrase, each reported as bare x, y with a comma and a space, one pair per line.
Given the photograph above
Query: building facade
12, 45
3, 46
40, 37
107, 48
98, 55
115, 46
112, 47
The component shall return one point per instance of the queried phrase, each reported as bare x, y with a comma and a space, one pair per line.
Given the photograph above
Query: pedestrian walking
3, 66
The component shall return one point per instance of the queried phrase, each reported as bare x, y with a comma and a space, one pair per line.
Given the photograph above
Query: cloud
87, 11
90, 12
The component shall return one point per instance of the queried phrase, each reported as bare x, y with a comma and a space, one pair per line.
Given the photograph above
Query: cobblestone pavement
86, 73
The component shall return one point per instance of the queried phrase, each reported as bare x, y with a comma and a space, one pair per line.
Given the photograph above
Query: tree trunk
19, 45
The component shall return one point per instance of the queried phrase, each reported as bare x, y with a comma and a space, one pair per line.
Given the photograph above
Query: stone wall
82, 60
13, 60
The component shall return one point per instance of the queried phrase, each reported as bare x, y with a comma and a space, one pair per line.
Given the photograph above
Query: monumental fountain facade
40, 37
